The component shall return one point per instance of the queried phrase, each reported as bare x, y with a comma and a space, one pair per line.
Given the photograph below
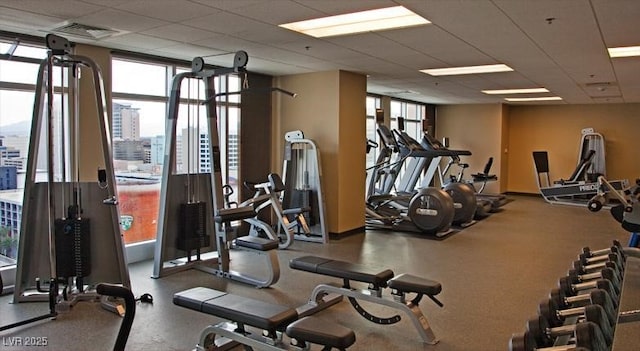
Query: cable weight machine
70, 233
302, 174
187, 237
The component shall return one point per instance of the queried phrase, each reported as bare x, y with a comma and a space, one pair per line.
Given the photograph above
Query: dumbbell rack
596, 306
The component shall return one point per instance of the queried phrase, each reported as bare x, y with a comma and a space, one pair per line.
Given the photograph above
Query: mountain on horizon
18, 128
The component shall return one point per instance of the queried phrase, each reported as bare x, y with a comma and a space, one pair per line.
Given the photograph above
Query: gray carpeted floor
493, 274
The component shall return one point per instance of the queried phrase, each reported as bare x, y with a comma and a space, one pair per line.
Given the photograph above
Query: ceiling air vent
400, 92
84, 31
600, 84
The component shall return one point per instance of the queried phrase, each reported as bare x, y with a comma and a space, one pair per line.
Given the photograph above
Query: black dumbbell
589, 257
545, 335
597, 273
575, 283
587, 338
559, 318
559, 307
582, 268
574, 298
615, 247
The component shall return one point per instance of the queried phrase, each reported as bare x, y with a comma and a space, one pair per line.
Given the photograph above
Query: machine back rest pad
236, 308
341, 269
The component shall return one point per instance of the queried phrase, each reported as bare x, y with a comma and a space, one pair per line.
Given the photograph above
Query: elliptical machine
466, 205
429, 210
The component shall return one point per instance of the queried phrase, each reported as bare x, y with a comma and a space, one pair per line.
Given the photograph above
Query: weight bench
325, 295
271, 319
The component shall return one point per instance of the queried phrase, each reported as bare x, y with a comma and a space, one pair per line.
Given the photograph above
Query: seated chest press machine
190, 203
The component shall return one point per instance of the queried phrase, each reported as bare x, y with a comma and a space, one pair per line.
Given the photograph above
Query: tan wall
556, 129
479, 129
352, 153
330, 110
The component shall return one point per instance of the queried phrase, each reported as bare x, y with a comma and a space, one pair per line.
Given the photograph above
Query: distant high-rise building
157, 150
8, 177
128, 150
12, 157
204, 154
126, 122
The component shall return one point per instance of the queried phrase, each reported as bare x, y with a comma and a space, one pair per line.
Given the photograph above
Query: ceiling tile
167, 10
141, 41
179, 32
16, 18
190, 51
120, 20
611, 15
65, 9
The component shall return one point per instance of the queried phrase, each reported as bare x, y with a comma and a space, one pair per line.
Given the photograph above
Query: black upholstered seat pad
341, 269
412, 284
250, 312
195, 297
256, 243
317, 331
236, 308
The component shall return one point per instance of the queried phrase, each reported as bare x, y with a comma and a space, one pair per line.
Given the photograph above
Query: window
372, 103
17, 90
413, 114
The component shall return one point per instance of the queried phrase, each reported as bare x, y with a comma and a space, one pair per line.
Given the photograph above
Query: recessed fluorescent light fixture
546, 98
516, 91
625, 51
467, 70
358, 22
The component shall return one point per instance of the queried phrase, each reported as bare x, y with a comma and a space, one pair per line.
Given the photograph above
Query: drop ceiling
560, 45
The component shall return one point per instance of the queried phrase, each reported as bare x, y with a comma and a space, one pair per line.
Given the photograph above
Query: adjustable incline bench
325, 295
271, 319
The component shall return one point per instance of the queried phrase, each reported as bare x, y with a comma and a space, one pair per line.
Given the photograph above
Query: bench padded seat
316, 331
236, 308
341, 269
412, 284
256, 243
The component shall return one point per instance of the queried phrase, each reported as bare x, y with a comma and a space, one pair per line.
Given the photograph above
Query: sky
128, 77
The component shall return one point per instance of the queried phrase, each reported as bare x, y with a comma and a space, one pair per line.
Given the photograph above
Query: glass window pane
24, 51
192, 88
138, 151
19, 72
139, 78
412, 111
15, 127
233, 151
234, 85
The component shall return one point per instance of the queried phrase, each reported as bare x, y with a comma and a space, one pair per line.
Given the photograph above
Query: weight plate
197, 64
240, 59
